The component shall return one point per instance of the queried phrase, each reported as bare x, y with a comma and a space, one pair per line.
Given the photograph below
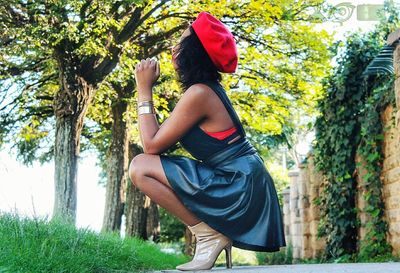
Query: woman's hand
147, 73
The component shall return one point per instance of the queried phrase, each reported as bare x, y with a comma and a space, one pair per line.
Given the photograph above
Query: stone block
386, 114
307, 254
286, 210
394, 230
287, 230
306, 228
293, 205
396, 66
393, 215
301, 203
383, 177
296, 230
391, 189
364, 217
393, 175
294, 220
391, 162
396, 56
361, 233
296, 253
303, 188
317, 253
286, 195
392, 148
314, 227
314, 213
306, 242
286, 215
392, 202
395, 243
286, 223
398, 112
294, 193
397, 82
288, 239
319, 243
360, 200
314, 192
297, 241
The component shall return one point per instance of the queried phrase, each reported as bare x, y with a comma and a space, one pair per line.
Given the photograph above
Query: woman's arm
189, 110
148, 124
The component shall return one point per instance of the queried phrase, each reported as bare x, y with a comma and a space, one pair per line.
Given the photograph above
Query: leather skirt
233, 193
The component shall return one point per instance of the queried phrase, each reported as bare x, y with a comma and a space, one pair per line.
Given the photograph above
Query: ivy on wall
370, 150
349, 124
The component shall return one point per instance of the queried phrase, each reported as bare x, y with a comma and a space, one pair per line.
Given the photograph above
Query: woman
225, 196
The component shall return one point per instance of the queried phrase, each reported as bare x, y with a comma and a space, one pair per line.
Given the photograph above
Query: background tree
58, 57
76, 44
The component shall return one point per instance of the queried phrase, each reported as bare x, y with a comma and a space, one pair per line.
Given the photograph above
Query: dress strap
220, 91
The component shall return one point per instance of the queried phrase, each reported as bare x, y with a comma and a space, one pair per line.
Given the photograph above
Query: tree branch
161, 36
130, 26
17, 70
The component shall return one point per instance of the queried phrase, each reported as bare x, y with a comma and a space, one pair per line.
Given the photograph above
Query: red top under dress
222, 134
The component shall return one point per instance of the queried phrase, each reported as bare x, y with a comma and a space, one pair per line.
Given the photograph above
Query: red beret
218, 41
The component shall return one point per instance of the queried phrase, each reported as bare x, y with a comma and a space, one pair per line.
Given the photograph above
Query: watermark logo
344, 11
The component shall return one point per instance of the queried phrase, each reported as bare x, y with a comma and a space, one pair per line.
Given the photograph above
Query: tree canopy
61, 61
282, 58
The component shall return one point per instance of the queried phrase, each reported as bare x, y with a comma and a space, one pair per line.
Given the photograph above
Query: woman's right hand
147, 73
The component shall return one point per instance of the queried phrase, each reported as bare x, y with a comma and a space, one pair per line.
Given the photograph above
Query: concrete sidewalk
393, 267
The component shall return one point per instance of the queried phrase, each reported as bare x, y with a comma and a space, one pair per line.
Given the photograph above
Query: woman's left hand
147, 73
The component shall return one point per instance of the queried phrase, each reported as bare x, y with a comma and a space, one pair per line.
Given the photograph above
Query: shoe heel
228, 255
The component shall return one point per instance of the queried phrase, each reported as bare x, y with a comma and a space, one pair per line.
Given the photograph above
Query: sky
29, 191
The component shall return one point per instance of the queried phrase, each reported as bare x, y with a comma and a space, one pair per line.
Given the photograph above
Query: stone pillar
391, 149
301, 215
316, 184
295, 228
304, 208
286, 215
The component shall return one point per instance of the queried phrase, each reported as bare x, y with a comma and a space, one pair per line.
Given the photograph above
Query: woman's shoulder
202, 89
205, 87
198, 94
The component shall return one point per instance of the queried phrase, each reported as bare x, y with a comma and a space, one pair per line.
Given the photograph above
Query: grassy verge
37, 245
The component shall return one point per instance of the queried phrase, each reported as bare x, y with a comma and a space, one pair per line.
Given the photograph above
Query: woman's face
174, 50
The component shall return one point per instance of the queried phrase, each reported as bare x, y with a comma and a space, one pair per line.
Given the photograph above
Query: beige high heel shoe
209, 244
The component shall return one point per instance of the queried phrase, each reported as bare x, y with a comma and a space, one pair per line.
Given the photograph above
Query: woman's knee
136, 168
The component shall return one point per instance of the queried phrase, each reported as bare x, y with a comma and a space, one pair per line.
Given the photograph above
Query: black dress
228, 186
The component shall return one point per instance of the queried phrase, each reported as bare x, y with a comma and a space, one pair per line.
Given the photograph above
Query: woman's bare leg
147, 174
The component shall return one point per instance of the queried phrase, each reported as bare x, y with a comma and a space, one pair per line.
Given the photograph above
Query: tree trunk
153, 222
117, 167
70, 106
137, 205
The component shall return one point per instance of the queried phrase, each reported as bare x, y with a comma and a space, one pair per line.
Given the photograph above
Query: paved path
393, 267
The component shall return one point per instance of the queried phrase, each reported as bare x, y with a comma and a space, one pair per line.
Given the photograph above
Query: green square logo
369, 12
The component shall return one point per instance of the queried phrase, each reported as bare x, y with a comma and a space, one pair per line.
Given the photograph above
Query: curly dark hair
194, 64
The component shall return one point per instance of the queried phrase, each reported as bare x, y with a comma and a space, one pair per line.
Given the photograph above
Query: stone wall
391, 148
391, 178
293, 221
301, 216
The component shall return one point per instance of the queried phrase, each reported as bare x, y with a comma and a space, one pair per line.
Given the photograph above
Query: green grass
37, 245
